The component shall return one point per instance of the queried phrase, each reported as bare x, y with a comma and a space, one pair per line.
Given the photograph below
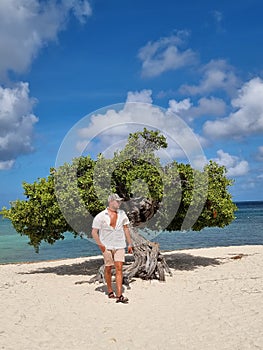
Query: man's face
114, 205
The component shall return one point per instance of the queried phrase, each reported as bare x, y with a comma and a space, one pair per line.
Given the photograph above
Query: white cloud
16, 123
144, 96
218, 17
177, 107
81, 9
234, 166
211, 107
259, 155
165, 54
216, 75
28, 25
248, 185
108, 128
6, 165
247, 119
253, 181
25, 27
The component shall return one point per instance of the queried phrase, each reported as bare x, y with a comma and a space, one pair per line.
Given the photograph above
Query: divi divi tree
157, 197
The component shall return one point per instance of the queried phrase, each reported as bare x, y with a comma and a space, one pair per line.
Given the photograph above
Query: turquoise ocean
246, 229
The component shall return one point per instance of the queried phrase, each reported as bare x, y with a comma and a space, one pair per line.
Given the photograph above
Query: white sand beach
214, 300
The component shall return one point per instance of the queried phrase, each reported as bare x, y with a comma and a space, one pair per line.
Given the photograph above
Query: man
110, 231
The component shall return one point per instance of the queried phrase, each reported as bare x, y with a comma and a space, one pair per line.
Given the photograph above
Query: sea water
246, 229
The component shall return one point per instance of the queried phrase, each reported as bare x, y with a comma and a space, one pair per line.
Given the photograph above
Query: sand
213, 301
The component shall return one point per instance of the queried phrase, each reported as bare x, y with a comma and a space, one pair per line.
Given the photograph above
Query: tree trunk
148, 263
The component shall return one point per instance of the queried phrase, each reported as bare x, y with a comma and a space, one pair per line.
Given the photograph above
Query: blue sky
199, 61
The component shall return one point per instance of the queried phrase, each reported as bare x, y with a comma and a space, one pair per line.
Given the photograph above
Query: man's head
114, 197
114, 201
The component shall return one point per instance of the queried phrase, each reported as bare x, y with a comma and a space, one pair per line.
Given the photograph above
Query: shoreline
213, 300
50, 260
165, 251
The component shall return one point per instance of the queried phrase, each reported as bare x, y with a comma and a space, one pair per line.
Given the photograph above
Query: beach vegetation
157, 196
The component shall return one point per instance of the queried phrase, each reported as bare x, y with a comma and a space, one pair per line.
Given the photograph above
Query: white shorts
110, 256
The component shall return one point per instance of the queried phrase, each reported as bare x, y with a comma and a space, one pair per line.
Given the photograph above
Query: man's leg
107, 275
108, 263
118, 268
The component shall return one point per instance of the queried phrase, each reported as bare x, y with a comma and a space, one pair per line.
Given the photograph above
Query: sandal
111, 295
122, 299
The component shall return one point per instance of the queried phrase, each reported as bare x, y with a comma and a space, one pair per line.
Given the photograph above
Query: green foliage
217, 209
74, 193
144, 142
39, 216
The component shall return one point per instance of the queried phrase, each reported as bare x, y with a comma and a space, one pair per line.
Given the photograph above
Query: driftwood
148, 262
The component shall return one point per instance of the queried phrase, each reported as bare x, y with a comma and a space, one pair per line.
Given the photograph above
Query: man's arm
128, 238
95, 235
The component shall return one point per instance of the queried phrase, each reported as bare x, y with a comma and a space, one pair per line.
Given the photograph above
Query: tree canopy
157, 196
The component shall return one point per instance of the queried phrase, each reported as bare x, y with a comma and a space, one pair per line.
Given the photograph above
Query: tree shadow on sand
188, 262
177, 261
89, 267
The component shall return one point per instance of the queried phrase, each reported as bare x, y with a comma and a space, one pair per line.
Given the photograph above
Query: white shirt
112, 238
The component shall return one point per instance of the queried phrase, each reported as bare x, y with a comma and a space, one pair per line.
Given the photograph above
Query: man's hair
114, 197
